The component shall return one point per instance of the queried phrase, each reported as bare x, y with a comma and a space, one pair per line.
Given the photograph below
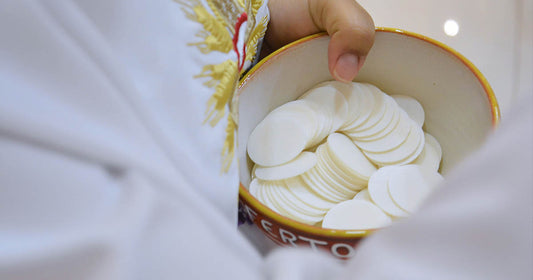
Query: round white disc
404, 151
264, 198
378, 111
333, 182
295, 167
331, 170
336, 169
277, 140
286, 209
301, 191
409, 185
289, 199
331, 101
363, 195
412, 107
378, 189
388, 129
395, 138
432, 141
431, 155
317, 186
383, 123
326, 187
359, 113
355, 215
254, 188
343, 150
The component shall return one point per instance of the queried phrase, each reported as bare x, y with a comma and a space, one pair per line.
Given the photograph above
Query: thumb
351, 30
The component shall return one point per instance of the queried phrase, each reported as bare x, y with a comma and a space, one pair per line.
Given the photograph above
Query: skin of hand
349, 26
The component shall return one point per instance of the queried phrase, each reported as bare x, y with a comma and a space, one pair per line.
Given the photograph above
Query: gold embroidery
228, 11
223, 73
228, 150
216, 36
256, 4
218, 22
252, 9
253, 40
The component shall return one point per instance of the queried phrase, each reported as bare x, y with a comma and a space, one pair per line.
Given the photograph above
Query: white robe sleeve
107, 170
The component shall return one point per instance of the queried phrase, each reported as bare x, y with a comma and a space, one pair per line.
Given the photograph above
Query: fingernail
346, 68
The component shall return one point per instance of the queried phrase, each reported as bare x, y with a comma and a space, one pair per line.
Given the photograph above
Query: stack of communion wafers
344, 156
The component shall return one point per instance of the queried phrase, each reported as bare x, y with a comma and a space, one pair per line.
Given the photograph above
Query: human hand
350, 27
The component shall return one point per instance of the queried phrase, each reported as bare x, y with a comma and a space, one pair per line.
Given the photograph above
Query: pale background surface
497, 36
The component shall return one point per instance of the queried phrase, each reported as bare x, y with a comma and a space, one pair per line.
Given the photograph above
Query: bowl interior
459, 105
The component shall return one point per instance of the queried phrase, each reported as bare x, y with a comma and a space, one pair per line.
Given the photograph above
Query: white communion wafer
334, 173
363, 195
280, 137
327, 187
295, 167
287, 209
377, 111
412, 107
263, 198
317, 186
288, 198
432, 141
392, 140
391, 108
254, 188
353, 97
426, 158
322, 157
359, 113
321, 118
355, 215
335, 169
278, 208
430, 156
409, 159
409, 149
342, 149
378, 189
333, 182
409, 185
385, 131
303, 111
302, 192
332, 102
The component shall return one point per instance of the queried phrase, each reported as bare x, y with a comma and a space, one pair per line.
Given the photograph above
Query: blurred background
497, 36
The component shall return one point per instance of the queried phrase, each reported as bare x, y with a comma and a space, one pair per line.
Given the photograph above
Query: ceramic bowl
460, 107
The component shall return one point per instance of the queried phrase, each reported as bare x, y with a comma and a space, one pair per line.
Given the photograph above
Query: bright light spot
451, 27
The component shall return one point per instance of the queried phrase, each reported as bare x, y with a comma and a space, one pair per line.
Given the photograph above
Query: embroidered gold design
228, 11
218, 19
256, 4
223, 80
215, 34
253, 40
228, 150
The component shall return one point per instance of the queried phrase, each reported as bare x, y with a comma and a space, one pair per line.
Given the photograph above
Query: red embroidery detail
242, 18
